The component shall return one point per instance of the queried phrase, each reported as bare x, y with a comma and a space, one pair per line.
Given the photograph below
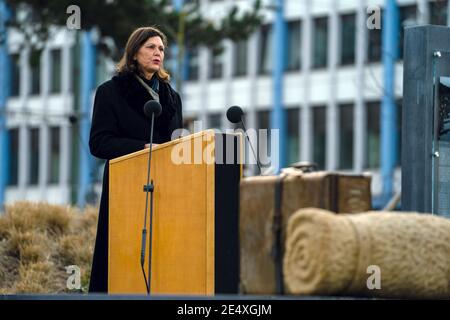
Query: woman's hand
147, 145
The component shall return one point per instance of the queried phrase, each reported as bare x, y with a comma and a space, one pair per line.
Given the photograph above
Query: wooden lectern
195, 217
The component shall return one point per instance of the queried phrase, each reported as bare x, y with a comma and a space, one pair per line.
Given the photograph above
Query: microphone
234, 115
152, 109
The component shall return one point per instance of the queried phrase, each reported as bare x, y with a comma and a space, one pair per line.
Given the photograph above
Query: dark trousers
99, 272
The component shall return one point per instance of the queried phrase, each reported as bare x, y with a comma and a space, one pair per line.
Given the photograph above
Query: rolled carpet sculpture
328, 254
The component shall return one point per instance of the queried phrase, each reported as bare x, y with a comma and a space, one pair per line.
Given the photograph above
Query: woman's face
150, 56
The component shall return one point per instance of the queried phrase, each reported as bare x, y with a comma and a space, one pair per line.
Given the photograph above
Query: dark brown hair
136, 40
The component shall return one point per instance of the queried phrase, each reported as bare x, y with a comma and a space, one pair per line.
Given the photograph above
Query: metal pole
4, 93
279, 61
389, 136
86, 86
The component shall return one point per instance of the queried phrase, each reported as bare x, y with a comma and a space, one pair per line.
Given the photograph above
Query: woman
119, 125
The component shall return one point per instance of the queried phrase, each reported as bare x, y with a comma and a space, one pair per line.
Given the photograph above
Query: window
170, 60
293, 47
15, 75
101, 72
346, 136
54, 155
263, 119
399, 131
35, 68
374, 43
215, 121
319, 136
98, 169
74, 80
193, 64
373, 134
320, 46
265, 49
438, 12
348, 33
408, 17
293, 135
264, 138
216, 65
13, 168
55, 67
34, 157
240, 57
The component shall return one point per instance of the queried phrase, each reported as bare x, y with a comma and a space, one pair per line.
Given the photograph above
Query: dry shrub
28, 246
36, 278
4, 227
9, 268
37, 242
73, 248
25, 216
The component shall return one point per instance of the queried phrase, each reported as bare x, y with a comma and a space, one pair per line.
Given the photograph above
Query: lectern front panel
184, 250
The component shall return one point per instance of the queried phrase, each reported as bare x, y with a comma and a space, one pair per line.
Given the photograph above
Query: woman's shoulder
105, 87
116, 80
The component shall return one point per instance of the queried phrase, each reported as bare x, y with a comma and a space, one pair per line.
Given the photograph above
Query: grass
38, 241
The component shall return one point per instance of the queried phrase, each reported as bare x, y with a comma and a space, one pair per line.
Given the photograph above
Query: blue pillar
279, 62
88, 71
4, 93
389, 138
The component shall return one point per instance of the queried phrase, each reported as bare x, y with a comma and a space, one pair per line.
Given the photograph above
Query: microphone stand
148, 188
251, 146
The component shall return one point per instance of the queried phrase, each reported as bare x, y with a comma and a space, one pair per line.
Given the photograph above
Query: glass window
374, 43
189, 122
34, 157
55, 67
408, 17
193, 64
373, 134
35, 68
99, 166
319, 142
75, 68
54, 155
215, 121
13, 166
346, 136
399, 131
216, 65
293, 135
263, 119
240, 57
438, 12
101, 72
265, 49
15, 75
348, 34
169, 60
293, 49
263, 148
320, 46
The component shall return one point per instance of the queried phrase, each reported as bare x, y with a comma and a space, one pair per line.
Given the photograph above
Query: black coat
119, 127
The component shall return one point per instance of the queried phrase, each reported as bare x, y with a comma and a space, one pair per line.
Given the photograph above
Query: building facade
332, 91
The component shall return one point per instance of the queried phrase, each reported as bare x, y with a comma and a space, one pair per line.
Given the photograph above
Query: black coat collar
136, 96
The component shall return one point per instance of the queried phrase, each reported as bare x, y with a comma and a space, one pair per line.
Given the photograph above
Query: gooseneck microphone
234, 115
152, 109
